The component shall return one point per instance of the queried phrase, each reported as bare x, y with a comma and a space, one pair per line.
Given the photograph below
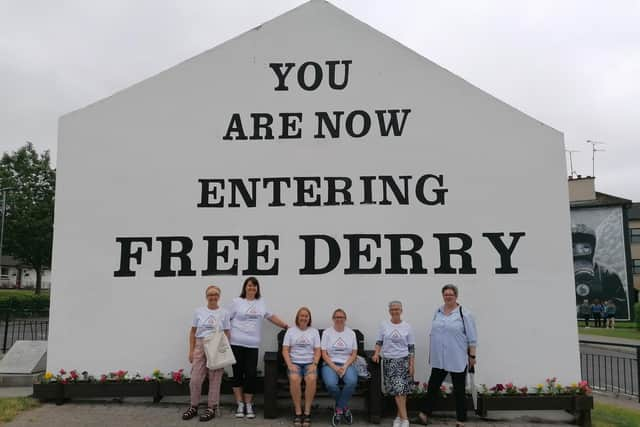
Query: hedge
24, 303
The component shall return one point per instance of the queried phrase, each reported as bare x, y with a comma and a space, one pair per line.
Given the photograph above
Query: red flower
62, 372
103, 378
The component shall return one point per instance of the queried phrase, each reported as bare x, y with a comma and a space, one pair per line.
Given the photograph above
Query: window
635, 235
636, 266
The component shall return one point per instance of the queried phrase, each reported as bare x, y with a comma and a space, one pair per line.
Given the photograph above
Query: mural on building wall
599, 260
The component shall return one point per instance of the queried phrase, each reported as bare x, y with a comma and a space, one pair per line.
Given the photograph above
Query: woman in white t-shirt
206, 320
301, 353
339, 350
247, 312
396, 342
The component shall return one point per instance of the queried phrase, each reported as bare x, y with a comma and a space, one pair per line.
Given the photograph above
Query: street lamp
4, 206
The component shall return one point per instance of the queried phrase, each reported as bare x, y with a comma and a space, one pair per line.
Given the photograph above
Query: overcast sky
574, 65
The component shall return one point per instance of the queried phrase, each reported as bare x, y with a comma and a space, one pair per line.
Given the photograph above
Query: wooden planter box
175, 389
579, 405
110, 389
49, 392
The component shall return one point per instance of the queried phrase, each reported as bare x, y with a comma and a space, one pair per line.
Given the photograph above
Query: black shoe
347, 416
336, 418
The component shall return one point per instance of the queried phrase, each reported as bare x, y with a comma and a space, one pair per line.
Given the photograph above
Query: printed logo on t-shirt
252, 312
396, 336
302, 341
210, 322
339, 345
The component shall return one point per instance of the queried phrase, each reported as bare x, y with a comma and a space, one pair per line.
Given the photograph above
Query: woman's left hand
411, 370
472, 362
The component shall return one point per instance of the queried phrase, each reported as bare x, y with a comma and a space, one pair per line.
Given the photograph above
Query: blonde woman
301, 353
206, 320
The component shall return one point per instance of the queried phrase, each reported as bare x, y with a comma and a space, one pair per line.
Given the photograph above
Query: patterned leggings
198, 372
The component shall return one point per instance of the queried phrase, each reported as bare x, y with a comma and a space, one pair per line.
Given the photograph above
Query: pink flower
147, 378
62, 372
103, 378
74, 374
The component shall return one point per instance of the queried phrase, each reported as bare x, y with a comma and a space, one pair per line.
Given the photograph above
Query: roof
634, 211
602, 199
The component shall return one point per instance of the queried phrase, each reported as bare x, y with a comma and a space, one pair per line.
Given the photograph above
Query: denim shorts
304, 369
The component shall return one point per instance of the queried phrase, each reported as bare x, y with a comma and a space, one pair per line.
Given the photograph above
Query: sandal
208, 415
306, 420
190, 413
297, 420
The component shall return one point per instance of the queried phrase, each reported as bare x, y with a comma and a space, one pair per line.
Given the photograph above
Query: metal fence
611, 367
29, 326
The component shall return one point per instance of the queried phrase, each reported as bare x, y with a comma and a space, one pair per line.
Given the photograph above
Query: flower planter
49, 392
535, 403
579, 405
176, 389
110, 389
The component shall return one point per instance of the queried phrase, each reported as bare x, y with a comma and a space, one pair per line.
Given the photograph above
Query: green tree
28, 232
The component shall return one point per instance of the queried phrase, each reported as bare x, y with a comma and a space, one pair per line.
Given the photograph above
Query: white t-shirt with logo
207, 321
301, 344
339, 345
246, 321
395, 339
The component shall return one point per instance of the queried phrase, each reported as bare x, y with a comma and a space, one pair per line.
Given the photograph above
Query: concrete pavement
169, 414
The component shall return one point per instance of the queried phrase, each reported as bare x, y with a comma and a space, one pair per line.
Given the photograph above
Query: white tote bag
218, 350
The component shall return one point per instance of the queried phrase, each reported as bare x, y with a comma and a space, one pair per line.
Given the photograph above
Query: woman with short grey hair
396, 342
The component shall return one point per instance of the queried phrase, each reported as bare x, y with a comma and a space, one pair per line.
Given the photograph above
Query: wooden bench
276, 381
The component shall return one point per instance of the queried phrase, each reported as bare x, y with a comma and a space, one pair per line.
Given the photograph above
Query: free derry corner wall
336, 165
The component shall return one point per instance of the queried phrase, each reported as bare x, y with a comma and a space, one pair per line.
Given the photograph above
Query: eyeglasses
213, 295
339, 318
448, 295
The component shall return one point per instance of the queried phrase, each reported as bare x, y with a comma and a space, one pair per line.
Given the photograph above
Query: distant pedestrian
610, 310
585, 312
596, 312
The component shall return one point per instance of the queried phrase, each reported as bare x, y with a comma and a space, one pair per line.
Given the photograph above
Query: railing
29, 326
611, 367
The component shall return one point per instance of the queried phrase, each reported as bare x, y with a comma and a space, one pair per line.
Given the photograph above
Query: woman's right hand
293, 368
190, 356
375, 358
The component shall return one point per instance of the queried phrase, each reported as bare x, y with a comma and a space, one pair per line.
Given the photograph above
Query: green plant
24, 303
636, 312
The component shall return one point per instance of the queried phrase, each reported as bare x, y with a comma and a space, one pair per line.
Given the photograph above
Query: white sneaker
249, 407
240, 410
404, 423
396, 422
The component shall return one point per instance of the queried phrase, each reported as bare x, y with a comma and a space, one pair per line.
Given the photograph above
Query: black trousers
433, 392
596, 319
586, 320
245, 370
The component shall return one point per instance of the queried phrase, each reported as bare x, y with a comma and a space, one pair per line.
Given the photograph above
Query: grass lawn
622, 330
12, 406
605, 415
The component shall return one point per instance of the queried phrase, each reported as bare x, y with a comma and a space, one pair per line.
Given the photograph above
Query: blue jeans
332, 383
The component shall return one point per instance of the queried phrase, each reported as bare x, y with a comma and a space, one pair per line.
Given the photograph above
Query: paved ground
142, 413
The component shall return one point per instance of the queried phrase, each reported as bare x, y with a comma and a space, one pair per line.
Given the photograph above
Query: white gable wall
128, 166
